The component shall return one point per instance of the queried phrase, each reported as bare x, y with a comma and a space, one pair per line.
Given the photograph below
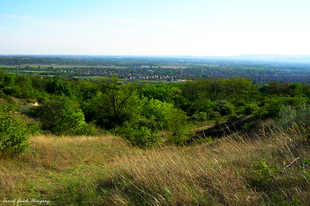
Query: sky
161, 27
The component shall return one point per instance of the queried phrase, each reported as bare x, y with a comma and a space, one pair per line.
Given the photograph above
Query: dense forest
139, 112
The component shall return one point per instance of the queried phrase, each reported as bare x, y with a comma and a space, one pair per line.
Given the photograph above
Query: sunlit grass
105, 170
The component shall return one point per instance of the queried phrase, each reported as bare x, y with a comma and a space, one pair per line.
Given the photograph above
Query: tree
13, 132
114, 105
62, 117
223, 107
57, 87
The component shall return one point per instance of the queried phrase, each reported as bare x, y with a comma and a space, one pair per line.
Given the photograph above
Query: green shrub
114, 106
270, 109
13, 132
232, 117
138, 135
289, 117
214, 114
169, 118
62, 117
263, 174
250, 108
150, 122
181, 135
199, 117
248, 126
223, 107
33, 128
142, 129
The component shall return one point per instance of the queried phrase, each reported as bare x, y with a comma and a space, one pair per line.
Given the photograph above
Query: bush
138, 135
270, 109
250, 108
223, 107
214, 114
181, 135
62, 117
34, 128
199, 117
155, 115
13, 132
289, 116
248, 126
114, 106
232, 117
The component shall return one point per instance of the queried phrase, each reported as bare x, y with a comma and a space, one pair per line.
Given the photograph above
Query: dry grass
106, 171
212, 174
53, 157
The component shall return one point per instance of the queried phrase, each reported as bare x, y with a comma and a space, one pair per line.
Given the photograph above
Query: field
44, 66
85, 67
106, 170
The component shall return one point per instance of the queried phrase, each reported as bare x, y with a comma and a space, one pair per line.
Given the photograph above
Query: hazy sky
157, 27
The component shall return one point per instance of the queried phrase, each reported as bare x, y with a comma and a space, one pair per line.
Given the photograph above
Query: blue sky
161, 27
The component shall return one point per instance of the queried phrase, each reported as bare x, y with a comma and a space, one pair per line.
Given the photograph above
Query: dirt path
218, 129
207, 126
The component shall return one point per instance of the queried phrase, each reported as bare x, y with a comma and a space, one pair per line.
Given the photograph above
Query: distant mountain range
305, 59
245, 57
266, 57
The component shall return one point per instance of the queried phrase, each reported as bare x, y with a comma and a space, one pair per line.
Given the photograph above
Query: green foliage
262, 173
13, 132
58, 87
270, 109
250, 108
150, 122
199, 117
154, 116
289, 117
217, 121
114, 105
232, 117
223, 107
248, 126
284, 89
180, 134
306, 168
162, 92
163, 112
297, 101
11, 90
87, 89
34, 128
138, 135
214, 114
202, 104
167, 117
110, 104
25, 87
62, 117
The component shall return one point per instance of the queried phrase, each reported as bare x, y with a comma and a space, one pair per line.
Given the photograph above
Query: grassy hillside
105, 170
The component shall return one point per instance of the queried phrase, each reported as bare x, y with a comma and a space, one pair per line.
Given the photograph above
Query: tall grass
232, 171
53, 161
235, 170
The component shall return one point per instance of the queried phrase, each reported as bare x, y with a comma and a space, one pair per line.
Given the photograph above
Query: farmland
163, 69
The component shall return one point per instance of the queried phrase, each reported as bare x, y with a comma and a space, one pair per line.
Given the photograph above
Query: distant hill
274, 58
266, 57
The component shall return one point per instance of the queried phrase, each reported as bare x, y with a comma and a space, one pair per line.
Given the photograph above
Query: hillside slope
105, 170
